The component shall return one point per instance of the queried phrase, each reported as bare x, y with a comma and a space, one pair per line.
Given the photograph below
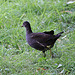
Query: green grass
17, 57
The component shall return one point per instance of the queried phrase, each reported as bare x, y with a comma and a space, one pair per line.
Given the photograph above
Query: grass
17, 57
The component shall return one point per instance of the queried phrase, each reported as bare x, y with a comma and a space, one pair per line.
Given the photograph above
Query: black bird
42, 41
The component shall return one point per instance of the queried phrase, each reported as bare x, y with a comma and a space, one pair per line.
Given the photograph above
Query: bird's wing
49, 32
42, 37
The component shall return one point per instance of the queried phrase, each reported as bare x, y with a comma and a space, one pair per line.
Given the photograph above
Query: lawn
17, 57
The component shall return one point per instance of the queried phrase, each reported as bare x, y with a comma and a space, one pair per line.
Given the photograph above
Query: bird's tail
58, 35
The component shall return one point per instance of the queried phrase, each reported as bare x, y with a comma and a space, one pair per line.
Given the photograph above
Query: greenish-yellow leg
50, 53
44, 54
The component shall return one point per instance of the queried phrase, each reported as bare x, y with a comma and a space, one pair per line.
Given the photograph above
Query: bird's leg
50, 51
44, 53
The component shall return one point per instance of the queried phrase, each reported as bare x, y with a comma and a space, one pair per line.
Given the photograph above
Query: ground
17, 57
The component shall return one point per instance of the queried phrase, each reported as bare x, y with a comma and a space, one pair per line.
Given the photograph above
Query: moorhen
42, 41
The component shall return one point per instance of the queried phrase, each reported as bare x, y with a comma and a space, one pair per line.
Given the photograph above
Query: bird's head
26, 24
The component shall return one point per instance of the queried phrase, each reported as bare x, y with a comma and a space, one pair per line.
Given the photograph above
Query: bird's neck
28, 30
